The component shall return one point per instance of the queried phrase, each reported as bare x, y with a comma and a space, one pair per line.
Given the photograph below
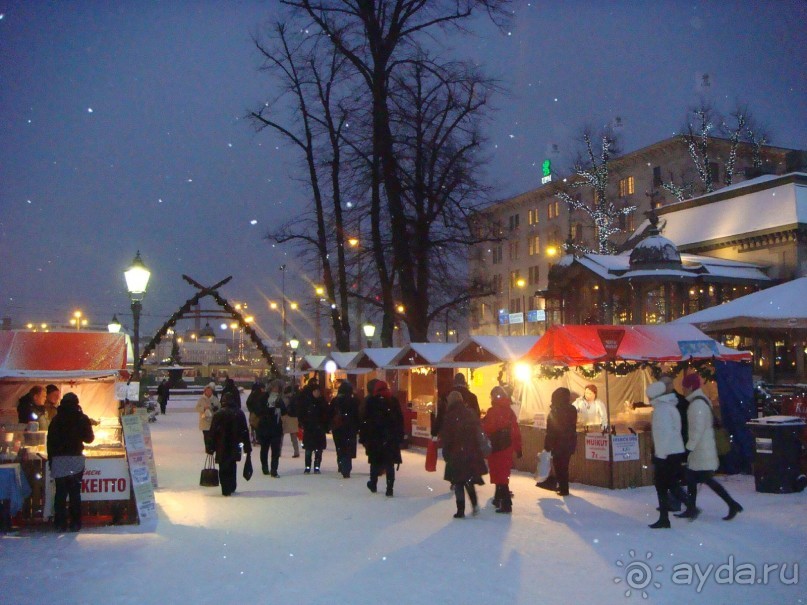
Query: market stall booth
420, 378
91, 365
620, 361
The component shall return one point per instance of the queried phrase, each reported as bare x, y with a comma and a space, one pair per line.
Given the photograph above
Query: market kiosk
620, 361
91, 365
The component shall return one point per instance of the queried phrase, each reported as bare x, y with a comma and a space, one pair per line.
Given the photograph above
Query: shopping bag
210, 474
431, 457
248, 467
544, 465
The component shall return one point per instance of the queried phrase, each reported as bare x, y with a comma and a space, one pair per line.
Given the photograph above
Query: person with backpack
501, 426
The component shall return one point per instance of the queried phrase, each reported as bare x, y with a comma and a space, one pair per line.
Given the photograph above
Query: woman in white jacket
702, 461
668, 450
206, 406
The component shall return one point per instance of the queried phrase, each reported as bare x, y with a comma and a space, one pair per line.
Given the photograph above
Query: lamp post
114, 325
294, 343
283, 310
521, 283
137, 279
369, 332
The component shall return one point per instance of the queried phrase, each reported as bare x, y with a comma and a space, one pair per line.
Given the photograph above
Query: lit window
626, 186
535, 245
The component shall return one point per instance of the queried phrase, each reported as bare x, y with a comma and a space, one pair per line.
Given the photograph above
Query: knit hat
656, 389
381, 388
691, 382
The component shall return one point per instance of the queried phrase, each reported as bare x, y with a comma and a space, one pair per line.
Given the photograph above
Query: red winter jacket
500, 416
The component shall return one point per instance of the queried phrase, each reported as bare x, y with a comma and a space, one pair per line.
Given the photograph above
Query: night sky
122, 129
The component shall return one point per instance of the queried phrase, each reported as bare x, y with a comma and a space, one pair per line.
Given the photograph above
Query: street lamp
77, 320
294, 343
114, 325
137, 279
369, 332
521, 283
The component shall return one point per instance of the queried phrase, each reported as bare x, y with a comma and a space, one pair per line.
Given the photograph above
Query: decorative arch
213, 292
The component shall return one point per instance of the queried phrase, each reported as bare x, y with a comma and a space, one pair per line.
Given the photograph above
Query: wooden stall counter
632, 466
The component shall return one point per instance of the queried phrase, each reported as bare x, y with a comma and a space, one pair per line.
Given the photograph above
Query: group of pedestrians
685, 451
464, 436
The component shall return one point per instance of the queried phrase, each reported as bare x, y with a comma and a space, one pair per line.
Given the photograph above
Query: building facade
534, 227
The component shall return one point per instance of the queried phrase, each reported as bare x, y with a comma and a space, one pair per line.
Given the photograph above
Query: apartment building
534, 226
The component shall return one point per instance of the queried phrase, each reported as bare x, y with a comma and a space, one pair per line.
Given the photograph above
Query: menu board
139, 467
596, 447
144, 421
626, 447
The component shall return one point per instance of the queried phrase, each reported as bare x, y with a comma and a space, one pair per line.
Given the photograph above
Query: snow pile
321, 539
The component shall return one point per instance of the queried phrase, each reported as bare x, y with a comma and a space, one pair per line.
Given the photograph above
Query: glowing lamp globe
137, 276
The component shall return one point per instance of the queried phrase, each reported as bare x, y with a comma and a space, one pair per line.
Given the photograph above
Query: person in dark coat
465, 464
313, 415
256, 398
163, 395
229, 386
344, 416
382, 431
501, 420
471, 401
561, 436
31, 405
67, 434
229, 432
269, 412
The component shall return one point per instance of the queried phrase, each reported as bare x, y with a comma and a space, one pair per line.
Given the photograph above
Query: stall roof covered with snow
421, 354
782, 307
374, 358
478, 351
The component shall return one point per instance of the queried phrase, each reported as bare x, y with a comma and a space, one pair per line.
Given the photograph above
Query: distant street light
369, 332
137, 279
294, 343
78, 320
114, 325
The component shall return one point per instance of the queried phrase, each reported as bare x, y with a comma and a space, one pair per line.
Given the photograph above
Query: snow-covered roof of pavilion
618, 267
761, 205
483, 350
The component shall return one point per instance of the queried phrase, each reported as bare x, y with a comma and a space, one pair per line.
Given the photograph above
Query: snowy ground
321, 539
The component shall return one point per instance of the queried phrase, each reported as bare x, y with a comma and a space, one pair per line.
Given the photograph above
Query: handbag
210, 474
248, 467
500, 440
484, 443
431, 457
544, 465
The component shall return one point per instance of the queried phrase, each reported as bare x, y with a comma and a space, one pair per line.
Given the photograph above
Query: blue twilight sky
121, 130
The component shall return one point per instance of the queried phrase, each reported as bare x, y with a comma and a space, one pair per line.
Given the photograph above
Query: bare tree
309, 76
377, 37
